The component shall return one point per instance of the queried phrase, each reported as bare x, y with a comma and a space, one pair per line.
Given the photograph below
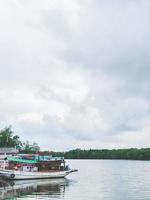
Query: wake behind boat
22, 167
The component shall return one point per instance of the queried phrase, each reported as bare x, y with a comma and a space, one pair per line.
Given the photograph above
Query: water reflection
49, 188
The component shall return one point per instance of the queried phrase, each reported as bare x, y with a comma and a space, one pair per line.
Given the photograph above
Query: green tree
130, 154
27, 147
8, 139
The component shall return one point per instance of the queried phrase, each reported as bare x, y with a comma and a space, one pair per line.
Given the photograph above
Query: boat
23, 167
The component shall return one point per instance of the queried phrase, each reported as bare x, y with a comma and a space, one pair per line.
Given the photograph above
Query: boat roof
14, 159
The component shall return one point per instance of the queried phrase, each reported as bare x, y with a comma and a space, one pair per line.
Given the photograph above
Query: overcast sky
76, 73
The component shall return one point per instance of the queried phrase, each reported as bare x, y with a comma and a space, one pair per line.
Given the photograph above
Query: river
95, 180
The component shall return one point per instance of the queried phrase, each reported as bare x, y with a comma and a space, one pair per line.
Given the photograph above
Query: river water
95, 180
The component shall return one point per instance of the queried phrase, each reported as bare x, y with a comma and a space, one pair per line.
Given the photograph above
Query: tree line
8, 139
128, 154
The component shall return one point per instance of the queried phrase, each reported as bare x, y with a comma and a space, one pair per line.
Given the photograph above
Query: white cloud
76, 74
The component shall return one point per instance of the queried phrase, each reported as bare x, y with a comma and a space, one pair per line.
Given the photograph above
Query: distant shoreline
114, 154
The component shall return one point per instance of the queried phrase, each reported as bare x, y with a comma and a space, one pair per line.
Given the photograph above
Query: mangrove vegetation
9, 139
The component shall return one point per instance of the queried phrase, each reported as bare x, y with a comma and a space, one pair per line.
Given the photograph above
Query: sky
76, 74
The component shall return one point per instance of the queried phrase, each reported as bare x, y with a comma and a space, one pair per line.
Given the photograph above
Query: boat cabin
35, 164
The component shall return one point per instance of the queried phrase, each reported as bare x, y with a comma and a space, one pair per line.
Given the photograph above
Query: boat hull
20, 175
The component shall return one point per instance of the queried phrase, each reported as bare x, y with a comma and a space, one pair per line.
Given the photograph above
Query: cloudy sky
76, 74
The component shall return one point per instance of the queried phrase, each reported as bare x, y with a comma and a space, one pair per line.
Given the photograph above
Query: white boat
34, 169
21, 175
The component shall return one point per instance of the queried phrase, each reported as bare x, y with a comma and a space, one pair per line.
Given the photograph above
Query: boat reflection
53, 188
